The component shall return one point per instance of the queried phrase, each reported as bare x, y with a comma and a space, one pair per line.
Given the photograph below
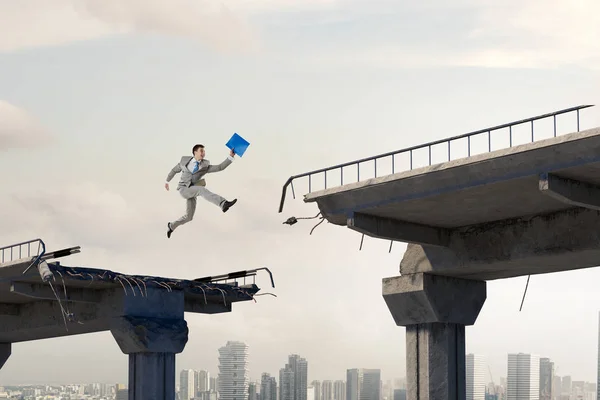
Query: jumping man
191, 184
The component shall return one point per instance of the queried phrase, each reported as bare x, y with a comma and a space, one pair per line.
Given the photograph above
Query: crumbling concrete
151, 336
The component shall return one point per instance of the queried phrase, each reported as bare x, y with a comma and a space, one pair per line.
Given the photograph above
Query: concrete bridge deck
91, 298
524, 210
41, 299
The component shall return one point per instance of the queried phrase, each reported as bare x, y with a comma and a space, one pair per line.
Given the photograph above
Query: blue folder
238, 144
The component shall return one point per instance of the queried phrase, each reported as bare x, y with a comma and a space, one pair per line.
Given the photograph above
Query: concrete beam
424, 298
559, 241
9, 310
204, 308
401, 231
44, 319
5, 352
570, 191
44, 292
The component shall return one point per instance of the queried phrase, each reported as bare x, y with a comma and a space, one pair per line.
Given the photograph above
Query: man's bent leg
190, 209
207, 195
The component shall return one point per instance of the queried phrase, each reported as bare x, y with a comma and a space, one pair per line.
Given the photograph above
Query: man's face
199, 154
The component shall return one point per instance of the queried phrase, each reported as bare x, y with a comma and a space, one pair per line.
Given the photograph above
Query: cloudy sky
100, 98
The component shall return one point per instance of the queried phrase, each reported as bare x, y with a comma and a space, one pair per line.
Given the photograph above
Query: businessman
191, 185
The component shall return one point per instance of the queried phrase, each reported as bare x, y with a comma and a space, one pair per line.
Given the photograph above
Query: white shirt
192, 164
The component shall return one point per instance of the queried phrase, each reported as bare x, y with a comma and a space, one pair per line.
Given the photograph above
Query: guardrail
21, 250
236, 275
411, 150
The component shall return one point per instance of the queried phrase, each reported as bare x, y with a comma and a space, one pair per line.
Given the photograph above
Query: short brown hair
196, 147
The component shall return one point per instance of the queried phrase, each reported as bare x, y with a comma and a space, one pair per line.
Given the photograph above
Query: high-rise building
187, 384
252, 391
475, 373
268, 387
317, 390
523, 378
293, 379
363, 384
327, 390
339, 390
202, 381
353, 379
370, 387
546, 379
233, 371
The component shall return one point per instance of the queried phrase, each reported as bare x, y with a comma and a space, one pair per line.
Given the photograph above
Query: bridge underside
524, 210
78, 300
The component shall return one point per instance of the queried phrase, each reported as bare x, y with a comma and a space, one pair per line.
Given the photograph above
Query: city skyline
98, 102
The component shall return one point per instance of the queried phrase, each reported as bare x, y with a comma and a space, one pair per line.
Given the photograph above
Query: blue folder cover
238, 144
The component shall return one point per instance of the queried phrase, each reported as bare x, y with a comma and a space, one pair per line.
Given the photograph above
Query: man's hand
166, 186
231, 153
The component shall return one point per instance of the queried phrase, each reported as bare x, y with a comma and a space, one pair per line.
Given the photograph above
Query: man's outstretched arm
175, 170
223, 165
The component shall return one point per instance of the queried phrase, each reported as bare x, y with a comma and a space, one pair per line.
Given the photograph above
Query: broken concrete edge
135, 334
425, 298
140, 283
569, 137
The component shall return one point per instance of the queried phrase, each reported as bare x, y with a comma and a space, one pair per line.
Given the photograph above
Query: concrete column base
152, 376
434, 310
5, 352
151, 344
435, 362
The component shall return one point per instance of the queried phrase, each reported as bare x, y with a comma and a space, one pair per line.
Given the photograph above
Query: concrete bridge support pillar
434, 310
5, 351
151, 332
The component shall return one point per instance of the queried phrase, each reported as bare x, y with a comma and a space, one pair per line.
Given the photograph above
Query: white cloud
539, 33
485, 33
19, 129
77, 214
64, 21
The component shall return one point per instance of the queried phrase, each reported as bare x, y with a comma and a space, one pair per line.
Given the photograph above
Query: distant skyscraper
233, 371
370, 387
187, 384
352, 384
523, 378
252, 391
546, 379
475, 377
293, 379
363, 384
339, 390
268, 387
202, 381
327, 390
317, 390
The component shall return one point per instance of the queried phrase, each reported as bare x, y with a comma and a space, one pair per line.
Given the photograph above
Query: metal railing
411, 150
236, 275
21, 250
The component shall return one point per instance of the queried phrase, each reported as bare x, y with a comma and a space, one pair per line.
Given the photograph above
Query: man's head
198, 152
